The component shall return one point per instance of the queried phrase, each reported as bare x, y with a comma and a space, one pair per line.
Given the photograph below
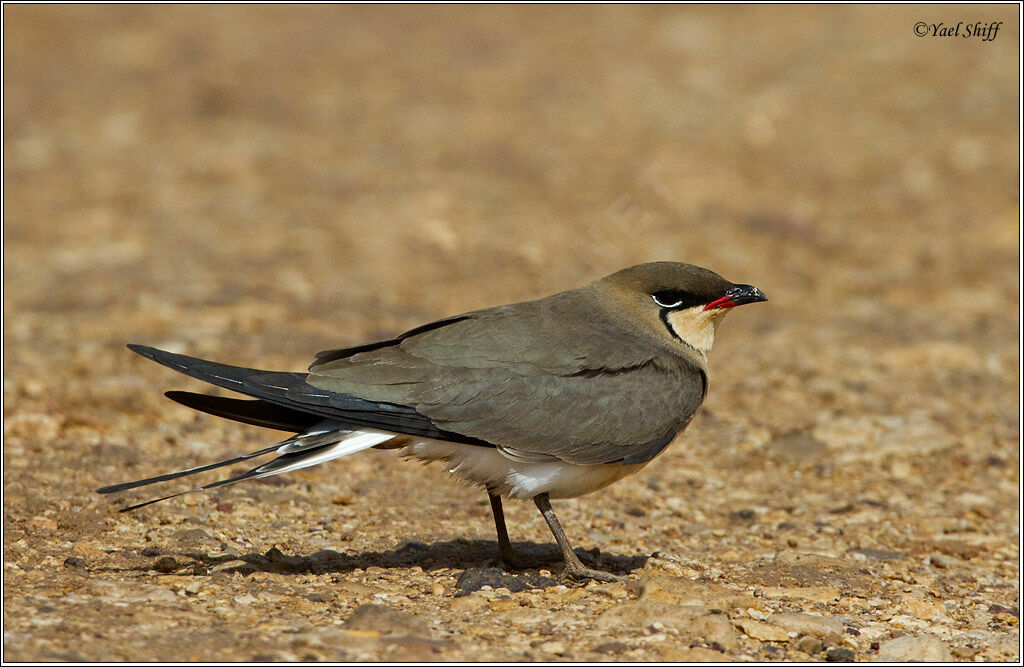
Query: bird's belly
487, 467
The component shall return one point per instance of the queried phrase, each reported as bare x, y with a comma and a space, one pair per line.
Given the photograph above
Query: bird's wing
566, 332
537, 380
595, 416
291, 391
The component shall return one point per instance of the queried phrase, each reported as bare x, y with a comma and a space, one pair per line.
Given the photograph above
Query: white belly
487, 467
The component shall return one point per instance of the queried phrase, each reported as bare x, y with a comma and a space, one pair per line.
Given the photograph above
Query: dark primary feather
291, 391
255, 412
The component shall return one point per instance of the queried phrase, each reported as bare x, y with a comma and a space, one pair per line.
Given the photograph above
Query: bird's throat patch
696, 326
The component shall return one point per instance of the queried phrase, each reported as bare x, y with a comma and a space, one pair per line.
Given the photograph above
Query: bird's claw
582, 573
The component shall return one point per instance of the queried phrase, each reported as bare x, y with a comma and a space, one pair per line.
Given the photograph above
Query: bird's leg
505, 553
573, 567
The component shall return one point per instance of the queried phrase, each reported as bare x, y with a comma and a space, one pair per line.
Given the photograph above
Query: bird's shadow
452, 554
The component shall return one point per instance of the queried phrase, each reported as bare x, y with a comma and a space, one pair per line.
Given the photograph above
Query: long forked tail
327, 425
326, 441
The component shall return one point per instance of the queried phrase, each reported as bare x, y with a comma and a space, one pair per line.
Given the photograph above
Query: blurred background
255, 184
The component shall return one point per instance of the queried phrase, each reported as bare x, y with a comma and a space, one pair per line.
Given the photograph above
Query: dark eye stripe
676, 299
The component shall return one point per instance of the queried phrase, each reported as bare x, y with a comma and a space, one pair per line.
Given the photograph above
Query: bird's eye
670, 298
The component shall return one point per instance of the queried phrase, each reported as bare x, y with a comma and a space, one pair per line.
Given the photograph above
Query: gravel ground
256, 184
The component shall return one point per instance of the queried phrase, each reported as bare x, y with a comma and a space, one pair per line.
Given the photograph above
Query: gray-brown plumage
549, 398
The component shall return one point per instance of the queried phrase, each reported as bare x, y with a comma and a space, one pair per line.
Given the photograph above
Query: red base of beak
724, 302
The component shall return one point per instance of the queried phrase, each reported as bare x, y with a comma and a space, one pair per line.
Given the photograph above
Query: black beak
742, 294
737, 296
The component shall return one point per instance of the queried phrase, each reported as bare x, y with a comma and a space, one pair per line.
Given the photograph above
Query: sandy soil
257, 184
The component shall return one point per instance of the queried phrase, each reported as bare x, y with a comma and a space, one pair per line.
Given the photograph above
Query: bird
546, 399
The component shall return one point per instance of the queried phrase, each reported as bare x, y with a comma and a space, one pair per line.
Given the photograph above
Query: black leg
573, 567
505, 553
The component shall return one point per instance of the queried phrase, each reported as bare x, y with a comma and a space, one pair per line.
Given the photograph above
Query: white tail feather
349, 443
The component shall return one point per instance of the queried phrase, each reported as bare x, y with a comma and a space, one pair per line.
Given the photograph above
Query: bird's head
678, 302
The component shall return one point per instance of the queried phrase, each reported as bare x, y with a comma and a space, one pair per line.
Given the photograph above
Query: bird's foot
580, 572
573, 570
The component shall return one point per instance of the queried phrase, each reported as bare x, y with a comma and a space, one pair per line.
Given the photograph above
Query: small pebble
166, 564
613, 648
840, 655
809, 645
